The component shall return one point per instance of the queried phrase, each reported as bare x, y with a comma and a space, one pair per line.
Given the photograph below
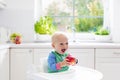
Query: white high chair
74, 73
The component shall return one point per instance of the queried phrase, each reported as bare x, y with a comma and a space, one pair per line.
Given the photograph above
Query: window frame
81, 36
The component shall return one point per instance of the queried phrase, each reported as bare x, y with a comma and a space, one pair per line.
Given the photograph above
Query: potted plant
44, 28
102, 34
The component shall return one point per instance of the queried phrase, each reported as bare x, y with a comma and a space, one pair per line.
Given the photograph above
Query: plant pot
102, 37
42, 37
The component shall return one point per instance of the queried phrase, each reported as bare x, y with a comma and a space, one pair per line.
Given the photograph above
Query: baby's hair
57, 34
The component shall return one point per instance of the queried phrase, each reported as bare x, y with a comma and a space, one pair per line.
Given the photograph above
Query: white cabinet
108, 62
85, 56
4, 64
40, 53
20, 59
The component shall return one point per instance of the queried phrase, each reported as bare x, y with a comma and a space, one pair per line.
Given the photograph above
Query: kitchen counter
75, 45
3, 46
90, 54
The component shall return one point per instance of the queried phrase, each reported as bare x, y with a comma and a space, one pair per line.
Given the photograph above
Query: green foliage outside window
88, 24
95, 10
87, 16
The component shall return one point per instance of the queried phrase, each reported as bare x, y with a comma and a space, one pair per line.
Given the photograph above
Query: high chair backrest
43, 65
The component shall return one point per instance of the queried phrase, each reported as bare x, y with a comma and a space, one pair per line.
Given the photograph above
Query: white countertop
3, 46
76, 45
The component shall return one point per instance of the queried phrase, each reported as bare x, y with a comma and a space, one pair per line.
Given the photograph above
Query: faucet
73, 33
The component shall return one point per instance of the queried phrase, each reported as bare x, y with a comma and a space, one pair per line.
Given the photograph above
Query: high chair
39, 72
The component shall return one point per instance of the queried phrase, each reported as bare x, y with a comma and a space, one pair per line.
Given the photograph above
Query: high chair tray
74, 73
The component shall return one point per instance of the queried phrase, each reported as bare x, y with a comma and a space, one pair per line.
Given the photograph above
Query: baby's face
61, 44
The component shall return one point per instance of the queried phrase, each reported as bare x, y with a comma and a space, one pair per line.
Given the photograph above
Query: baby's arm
55, 66
63, 63
52, 62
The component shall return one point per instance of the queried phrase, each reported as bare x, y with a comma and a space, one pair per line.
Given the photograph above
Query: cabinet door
111, 71
20, 60
4, 64
85, 56
40, 53
108, 62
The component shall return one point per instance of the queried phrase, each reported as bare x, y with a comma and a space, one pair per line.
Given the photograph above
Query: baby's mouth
63, 50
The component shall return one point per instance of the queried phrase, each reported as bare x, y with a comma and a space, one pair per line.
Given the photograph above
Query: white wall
18, 16
115, 20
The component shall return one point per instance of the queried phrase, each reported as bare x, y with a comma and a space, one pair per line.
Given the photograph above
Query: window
72, 16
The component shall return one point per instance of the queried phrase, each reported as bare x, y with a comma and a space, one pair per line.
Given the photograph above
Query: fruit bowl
15, 38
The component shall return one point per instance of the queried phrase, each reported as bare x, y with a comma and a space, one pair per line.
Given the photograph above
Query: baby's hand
71, 60
64, 63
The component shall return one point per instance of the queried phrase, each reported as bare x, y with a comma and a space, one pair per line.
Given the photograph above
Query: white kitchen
20, 16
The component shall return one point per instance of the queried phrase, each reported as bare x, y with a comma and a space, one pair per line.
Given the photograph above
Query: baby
58, 59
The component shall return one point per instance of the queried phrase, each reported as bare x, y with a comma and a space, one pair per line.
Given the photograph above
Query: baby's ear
53, 45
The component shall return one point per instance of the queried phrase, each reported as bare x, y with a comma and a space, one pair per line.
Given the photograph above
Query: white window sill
77, 37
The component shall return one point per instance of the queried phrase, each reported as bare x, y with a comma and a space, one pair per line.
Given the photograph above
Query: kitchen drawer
108, 53
107, 60
81, 50
42, 50
21, 50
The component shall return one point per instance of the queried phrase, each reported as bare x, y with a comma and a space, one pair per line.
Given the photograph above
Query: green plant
102, 31
44, 25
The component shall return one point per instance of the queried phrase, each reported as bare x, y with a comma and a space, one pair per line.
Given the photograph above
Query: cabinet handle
30, 51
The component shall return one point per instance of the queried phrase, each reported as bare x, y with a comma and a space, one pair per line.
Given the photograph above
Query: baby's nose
65, 46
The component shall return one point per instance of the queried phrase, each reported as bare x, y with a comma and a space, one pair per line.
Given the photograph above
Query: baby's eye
66, 43
61, 43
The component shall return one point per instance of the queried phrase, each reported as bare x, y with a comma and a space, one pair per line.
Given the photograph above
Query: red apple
18, 42
71, 60
17, 39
